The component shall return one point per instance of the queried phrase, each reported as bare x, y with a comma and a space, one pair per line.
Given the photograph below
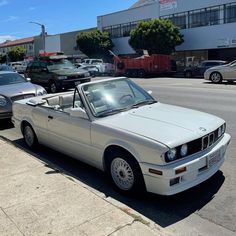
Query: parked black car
56, 73
198, 71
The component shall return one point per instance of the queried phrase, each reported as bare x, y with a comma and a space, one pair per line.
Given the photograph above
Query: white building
208, 26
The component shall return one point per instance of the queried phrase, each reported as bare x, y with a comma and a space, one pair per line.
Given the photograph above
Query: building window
213, 15
126, 28
179, 20
116, 31
197, 18
122, 30
108, 30
230, 13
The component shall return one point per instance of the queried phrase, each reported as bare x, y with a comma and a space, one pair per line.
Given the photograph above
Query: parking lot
207, 209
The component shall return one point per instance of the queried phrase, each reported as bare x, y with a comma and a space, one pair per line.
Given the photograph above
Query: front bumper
198, 168
5, 115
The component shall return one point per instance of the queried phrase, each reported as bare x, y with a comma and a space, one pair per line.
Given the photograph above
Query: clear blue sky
57, 15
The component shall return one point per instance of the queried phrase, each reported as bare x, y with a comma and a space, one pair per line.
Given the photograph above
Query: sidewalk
38, 200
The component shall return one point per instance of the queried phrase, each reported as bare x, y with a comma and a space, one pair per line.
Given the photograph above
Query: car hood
18, 89
167, 124
68, 72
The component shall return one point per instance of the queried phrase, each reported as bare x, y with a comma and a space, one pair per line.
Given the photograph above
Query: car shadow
6, 124
162, 210
222, 83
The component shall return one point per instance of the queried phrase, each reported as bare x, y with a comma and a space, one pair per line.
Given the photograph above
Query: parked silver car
118, 127
14, 87
219, 73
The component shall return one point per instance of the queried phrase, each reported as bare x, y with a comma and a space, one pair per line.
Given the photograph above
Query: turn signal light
180, 170
156, 172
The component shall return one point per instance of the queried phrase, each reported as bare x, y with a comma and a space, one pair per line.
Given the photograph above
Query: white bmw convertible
118, 127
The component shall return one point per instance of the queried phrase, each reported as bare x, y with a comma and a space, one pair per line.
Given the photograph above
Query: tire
127, 74
188, 74
30, 137
216, 78
53, 88
125, 173
120, 65
134, 74
141, 74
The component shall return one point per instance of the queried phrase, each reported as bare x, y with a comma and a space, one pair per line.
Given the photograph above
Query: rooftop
17, 42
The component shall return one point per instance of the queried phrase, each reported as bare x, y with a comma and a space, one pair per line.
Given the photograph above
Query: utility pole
42, 33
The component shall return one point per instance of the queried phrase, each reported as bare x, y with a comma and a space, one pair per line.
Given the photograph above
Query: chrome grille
208, 140
22, 96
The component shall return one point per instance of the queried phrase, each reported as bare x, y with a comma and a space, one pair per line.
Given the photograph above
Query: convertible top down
118, 127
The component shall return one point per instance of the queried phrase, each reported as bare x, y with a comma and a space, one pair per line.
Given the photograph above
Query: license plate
214, 158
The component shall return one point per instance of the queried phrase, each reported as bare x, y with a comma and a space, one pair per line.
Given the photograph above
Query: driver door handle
50, 117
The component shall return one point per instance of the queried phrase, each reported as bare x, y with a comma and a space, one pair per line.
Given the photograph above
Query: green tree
3, 58
158, 36
95, 44
17, 54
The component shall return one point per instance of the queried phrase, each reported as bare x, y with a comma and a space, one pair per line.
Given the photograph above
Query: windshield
111, 97
11, 78
60, 64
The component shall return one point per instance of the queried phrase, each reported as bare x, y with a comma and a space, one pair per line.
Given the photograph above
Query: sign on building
167, 4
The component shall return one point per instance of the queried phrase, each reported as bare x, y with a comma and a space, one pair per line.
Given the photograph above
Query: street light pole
42, 32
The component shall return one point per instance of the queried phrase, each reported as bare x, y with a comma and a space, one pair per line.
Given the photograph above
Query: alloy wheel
122, 174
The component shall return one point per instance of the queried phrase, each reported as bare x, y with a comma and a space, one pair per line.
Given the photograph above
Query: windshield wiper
112, 111
145, 102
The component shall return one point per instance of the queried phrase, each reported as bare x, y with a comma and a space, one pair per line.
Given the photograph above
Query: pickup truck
104, 68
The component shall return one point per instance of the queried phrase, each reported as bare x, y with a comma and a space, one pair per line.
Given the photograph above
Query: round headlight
41, 92
3, 101
171, 154
223, 128
184, 150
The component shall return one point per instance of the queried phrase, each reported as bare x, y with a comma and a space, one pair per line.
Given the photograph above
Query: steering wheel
127, 98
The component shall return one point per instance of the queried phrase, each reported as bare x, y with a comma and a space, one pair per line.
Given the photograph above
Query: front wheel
125, 173
30, 137
216, 77
53, 87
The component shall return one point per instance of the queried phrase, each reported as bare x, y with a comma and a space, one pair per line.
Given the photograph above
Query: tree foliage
158, 36
17, 54
95, 44
3, 58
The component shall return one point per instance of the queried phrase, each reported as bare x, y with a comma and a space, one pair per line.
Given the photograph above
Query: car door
230, 72
44, 75
70, 135
33, 72
40, 123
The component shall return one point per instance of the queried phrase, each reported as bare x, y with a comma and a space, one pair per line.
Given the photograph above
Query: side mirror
28, 79
78, 112
149, 92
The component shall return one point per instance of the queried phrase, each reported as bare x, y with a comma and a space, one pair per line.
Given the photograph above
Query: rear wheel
216, 77
125, 172
141, 74
30, 137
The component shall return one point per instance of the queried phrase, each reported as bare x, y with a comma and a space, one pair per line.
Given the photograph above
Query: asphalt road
208, 209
